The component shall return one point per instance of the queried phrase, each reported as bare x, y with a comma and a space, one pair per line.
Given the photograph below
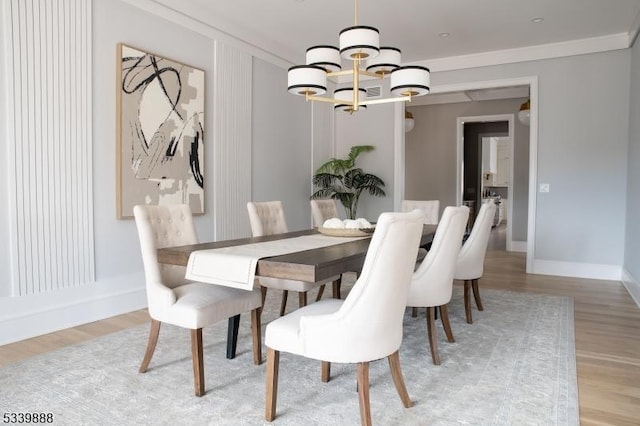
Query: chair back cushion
266, 218
323, 210
368, 325
470, 263
432, 282
429, 208
158, 227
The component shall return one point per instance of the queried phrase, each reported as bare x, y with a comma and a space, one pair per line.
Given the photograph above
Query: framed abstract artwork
160, 130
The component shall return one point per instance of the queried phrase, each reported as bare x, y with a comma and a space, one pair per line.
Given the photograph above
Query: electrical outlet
544, 187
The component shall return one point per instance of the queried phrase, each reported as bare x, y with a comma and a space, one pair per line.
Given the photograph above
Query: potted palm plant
340, 179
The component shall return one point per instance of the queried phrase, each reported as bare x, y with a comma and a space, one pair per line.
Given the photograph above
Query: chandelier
361, 45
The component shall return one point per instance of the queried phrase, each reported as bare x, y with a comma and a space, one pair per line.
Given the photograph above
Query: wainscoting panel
232, 141
48, 67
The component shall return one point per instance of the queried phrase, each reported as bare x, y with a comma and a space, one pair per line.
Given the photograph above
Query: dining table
314, 265
309, 265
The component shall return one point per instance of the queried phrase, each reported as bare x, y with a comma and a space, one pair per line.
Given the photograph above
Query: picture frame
160, 112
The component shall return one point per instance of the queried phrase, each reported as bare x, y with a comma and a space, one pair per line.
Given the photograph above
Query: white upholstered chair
470, 264
366, 326
267, 218
432, 282
176, 301
430, 209
322, 210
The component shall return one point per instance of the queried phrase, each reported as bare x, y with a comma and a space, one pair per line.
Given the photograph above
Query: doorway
532, 83
478, 178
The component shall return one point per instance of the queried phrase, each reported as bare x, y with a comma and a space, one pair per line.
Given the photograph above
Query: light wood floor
607, 331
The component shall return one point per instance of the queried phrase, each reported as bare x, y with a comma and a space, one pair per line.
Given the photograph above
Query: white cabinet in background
496, 161
503, 154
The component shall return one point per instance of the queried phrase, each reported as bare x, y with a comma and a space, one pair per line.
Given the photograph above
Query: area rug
514, 366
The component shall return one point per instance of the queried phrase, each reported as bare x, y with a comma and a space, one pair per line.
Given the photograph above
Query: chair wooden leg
283, 304
198, 361
336, 287
398, 379
256, 335
476, 294
467, 302
363, 393
320, 292
273, 359
433, 335
444, 317
232, 336
151, 345
325, 374
302, 299
414, 312
263, 292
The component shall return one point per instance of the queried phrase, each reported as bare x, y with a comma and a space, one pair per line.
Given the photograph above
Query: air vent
374, 91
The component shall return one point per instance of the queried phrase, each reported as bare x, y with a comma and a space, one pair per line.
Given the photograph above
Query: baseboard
35, 315
519, 246
578, 270
632, 285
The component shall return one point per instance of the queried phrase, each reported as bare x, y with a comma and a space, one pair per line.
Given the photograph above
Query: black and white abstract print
161, 132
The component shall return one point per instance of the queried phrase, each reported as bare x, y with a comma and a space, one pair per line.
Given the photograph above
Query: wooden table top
310, 265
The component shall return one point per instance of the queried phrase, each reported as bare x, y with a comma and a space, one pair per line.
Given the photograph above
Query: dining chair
267, 218
193, 305
322, 210
430, 209
470, 263
345, 331
432, 282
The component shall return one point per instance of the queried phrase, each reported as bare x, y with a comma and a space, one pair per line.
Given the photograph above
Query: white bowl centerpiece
360, 227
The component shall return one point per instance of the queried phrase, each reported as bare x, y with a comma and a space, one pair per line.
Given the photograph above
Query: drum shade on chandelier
361, 45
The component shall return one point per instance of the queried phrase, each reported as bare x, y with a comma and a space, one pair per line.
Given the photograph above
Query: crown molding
634, 30
531, 53
497, 57
201, 27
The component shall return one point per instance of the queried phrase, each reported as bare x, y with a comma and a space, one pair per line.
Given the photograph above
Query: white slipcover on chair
432, 282
323, 210
267, 218
366, 326
429, 208
174, 300
470, 264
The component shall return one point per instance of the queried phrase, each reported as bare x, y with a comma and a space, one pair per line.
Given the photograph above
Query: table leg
232, 336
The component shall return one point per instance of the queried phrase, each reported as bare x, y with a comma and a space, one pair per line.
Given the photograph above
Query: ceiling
285, 28
479, 32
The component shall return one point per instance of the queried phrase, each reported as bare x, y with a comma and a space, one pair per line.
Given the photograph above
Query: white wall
430, 172
281, 145
632, 246
117, 248
583, 138
373, 126
582, 148
5, 236
281, 128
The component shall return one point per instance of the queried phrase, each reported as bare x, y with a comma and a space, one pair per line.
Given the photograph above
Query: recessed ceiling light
444, 35
537, 20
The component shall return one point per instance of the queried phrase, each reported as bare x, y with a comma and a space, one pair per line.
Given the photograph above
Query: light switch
544, 187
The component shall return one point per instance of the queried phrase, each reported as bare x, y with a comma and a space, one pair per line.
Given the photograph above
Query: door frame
532, 82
